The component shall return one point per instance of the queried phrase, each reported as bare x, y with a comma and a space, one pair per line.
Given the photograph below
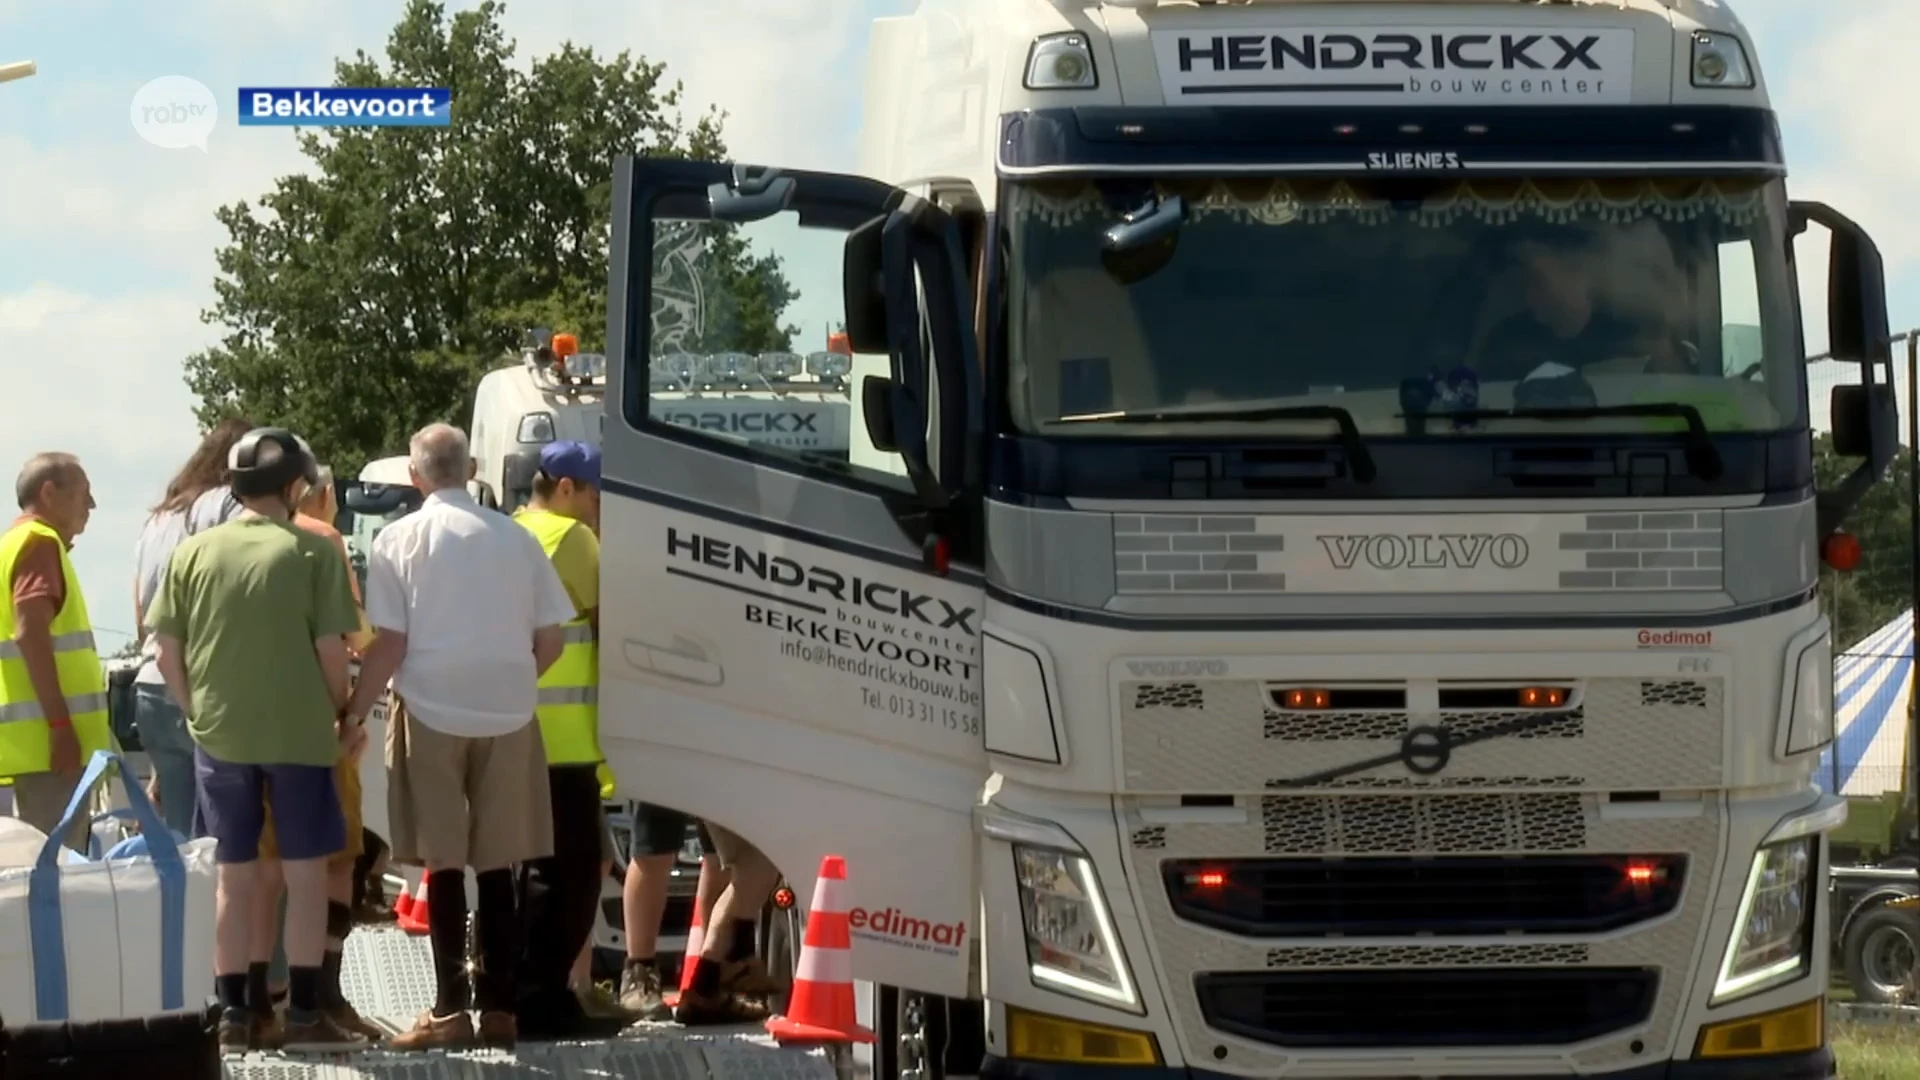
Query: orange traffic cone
403, 904
415, 921
820, 1009
696, 940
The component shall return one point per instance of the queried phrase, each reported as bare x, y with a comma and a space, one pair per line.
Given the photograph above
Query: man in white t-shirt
466, 610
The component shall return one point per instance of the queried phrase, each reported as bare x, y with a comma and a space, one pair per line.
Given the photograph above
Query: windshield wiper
1703, 458
1358, 457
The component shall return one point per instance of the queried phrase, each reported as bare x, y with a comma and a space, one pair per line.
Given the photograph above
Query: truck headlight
1071, 944
536, 427
1720, 62
1772, 941
1061, 62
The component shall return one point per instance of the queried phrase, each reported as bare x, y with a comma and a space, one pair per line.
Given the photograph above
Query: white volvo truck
1315, 593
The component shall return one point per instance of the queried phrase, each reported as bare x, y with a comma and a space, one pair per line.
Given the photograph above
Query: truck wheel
1880, 954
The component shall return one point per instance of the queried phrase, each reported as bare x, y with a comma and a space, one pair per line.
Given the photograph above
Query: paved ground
388, 976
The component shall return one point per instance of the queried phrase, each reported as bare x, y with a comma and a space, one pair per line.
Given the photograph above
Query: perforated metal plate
388, 975
1425, 824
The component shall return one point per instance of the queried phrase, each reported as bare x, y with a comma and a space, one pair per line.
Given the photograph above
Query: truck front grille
1311, 953
1538, 894
1626, 732
1427, 1007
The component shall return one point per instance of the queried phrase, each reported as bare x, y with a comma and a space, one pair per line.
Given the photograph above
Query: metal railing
1910, 338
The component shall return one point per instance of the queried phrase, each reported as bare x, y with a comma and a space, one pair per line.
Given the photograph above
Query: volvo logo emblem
1426, 750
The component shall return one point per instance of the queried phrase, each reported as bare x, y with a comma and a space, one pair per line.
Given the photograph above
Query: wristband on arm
61, 724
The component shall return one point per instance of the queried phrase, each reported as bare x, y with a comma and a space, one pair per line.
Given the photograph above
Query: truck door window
747, 345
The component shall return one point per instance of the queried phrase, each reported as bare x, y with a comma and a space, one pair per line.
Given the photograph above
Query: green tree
1864, 599
366, 299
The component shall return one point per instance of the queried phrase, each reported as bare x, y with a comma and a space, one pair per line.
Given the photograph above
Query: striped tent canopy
1871, 682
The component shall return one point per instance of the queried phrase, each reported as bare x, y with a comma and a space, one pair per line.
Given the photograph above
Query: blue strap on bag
46, 928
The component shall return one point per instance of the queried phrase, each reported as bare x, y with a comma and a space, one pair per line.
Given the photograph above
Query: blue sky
110, 240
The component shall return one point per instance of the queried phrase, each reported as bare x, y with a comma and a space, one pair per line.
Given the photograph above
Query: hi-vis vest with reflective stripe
24, 746
569, 703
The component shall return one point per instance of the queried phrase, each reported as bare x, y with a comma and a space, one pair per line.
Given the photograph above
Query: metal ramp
388, 975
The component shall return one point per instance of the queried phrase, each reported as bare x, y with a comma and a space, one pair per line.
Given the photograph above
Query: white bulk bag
84, 940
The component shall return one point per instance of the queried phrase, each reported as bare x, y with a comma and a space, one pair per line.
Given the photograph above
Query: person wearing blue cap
560, 894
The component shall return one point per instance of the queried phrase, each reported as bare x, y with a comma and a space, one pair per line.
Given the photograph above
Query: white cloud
103, 366
787, 72
1848, 116
116, 198
100, 377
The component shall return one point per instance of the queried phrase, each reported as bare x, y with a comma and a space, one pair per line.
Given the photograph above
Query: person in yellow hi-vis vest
560, 895
53, 691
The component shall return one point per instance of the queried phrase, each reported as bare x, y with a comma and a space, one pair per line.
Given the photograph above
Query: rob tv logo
174, 112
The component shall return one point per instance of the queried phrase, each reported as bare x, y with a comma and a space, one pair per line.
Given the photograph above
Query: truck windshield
1397, 297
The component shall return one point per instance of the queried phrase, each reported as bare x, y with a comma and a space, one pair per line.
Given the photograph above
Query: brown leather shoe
431, 1032
499, 1030
346, 1016
748, 977
321, 1035
720, 1010
265, 1032
236, 1032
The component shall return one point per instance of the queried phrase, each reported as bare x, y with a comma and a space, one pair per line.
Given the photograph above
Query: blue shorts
660, 831
231, 808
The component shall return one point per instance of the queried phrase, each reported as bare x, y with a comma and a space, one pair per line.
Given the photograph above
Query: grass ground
1877, 1051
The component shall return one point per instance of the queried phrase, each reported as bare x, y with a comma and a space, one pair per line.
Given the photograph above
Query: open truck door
790, 631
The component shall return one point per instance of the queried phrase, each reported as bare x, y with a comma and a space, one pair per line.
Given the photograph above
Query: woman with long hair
195, 498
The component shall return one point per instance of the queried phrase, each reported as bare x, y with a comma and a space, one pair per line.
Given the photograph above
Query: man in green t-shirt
249, 619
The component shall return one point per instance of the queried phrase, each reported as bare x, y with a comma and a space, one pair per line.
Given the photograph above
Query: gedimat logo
897, 927
1674, 639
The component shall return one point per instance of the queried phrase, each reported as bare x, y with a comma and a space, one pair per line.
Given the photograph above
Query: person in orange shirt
316, 513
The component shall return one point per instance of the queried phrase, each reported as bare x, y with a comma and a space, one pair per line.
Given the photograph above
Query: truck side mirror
863, 280
876, 408
904, 299
343, 516
355, 497
1857, 328
1866, 417
1857, 413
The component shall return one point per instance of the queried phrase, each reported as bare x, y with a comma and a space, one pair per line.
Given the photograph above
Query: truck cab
551, 392
1328, 584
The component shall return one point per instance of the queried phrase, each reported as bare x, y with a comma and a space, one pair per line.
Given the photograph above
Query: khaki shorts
346, 781
463, 801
